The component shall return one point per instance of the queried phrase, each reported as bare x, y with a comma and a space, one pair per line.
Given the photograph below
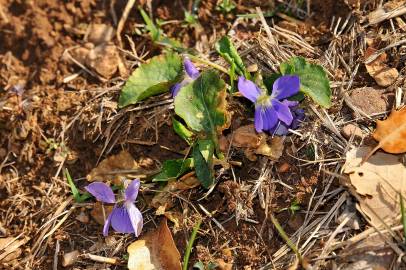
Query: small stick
123, 19
101, 259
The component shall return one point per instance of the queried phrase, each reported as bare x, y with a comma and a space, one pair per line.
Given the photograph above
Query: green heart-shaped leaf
202, 104
152, 78
313, 79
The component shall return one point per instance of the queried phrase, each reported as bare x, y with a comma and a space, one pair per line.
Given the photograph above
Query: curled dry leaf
391, 133
256, 143
379, 70
378, 181
114, 168
156, 250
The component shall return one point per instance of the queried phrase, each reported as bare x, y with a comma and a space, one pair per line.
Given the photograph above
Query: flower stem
284, 236
190, 245
207, 62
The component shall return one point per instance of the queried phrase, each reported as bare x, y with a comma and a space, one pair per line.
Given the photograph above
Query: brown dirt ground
33, 38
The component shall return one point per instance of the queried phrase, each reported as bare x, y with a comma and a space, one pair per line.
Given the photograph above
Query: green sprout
226, 6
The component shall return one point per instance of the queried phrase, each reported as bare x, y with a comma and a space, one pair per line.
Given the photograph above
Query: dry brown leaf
391, 133
370, 253
253, 143
100, 212
379, 70
156, 250
378, 181
105, 170
164, 199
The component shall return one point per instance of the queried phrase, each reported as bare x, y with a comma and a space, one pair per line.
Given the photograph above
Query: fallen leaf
156, 250
370, 253
164, 199
256, 143
99, 214
379, 181
391, 133
379, 70
105, 170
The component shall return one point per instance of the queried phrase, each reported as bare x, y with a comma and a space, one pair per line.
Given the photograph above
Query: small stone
100, 33
104, 60
70, 258
386, 77
284, 167
350, 129
82, 217
372, 100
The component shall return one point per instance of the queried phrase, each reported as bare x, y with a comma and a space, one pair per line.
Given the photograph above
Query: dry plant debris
380, 181
391, 132
379, 70
155, 250
255, 143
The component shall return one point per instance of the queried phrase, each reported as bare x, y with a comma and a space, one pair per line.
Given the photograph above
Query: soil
49, 123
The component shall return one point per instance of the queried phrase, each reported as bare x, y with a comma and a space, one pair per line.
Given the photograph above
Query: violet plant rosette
191, 74
274, 113
125, 216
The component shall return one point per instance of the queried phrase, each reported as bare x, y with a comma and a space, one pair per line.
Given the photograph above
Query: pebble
350, 129
70, 258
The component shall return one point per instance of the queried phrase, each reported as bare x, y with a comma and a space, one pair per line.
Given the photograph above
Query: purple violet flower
125, 216
269, 109
298, 116
191, 74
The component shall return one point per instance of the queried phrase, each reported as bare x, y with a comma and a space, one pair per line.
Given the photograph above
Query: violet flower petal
248, 89
270, 118
101, 192
135, 216
175, 89
190, 69
107, 225
298, 116
131, 191
285, 86
282, 111
120, 220
290, 103
280, 129
258, 121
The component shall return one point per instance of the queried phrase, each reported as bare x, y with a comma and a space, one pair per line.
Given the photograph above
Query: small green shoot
190, 245
403, 213
285, 237
77, 195
293, 208
226, 6
190, 19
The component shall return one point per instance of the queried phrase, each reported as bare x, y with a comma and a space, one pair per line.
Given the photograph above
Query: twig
123, 19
